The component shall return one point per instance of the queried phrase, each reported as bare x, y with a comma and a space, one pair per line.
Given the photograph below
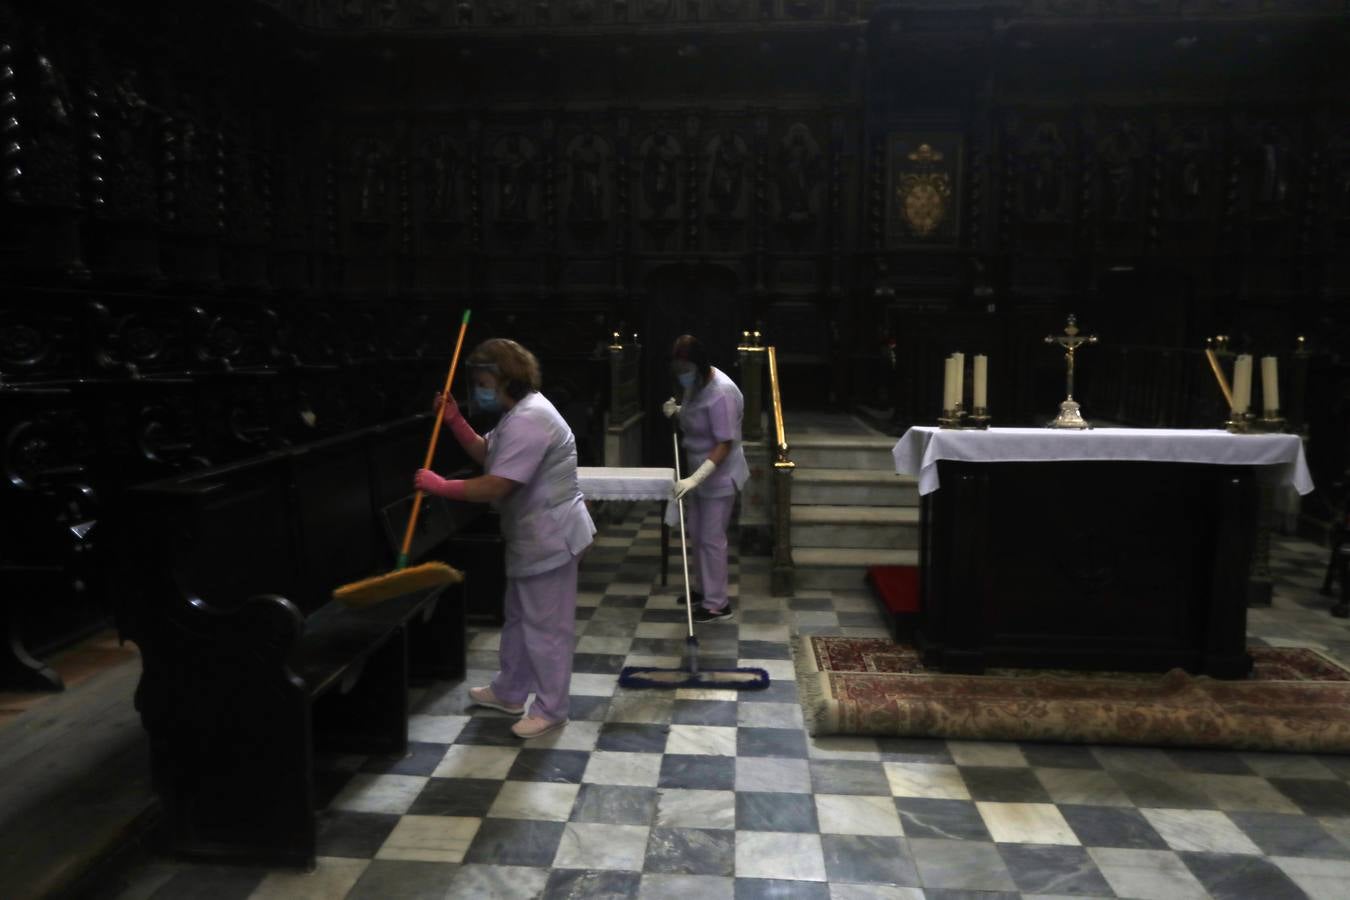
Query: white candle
959, 395
1270, 385
1242, 383
948, 384
981, 381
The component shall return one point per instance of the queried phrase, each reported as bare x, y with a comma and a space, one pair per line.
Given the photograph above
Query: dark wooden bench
248, 664
1338, 564
48, 578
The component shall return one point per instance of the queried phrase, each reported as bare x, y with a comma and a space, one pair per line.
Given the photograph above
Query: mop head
726, 679
369, 591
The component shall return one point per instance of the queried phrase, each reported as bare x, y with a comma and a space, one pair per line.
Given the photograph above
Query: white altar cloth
618, 483
919, 450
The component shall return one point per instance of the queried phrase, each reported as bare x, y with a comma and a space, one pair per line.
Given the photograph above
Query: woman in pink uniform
530, 475
710, 418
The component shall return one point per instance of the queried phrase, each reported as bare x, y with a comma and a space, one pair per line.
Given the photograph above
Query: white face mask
686, 379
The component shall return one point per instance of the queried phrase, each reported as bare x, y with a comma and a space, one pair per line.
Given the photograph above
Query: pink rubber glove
428, 482
455, 421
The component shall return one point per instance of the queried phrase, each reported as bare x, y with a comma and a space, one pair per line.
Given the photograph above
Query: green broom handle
402, 562
684, 547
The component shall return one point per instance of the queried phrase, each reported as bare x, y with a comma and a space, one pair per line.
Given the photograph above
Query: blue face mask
686, 379
485, 398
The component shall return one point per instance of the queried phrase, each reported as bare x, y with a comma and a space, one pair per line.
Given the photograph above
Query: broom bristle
372, 590
729, 679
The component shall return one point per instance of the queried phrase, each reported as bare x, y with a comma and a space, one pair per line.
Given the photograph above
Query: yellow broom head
370, 591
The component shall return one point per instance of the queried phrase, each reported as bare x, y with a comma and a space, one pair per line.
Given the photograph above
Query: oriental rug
1296, 700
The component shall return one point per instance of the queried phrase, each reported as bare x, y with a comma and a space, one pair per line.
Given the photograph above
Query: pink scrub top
544, 520
710, 415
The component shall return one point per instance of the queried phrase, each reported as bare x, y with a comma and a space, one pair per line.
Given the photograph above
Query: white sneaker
534, 726
483, 696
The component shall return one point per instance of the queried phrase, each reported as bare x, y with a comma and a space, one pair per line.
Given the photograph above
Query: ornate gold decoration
925, 155
923, 194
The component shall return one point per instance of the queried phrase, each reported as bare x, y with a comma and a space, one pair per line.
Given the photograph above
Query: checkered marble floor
711, 794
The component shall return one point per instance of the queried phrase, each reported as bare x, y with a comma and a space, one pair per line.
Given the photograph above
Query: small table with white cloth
1107, 549
630, 485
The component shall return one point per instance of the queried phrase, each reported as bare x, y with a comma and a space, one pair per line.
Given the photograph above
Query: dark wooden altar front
1129, 566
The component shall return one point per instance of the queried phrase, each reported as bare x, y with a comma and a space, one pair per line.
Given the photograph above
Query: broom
405, 580
690, 676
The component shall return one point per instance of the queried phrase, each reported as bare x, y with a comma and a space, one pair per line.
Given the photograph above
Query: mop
405, 579
690, 676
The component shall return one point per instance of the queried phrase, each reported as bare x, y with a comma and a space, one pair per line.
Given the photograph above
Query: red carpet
897, 586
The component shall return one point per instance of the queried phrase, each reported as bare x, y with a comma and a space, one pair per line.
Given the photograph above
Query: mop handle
431, 448
684, 548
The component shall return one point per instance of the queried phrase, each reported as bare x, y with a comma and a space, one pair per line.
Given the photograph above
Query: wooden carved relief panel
660, 160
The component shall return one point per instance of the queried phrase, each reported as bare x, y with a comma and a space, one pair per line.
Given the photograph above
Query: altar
624, 484
1106, 549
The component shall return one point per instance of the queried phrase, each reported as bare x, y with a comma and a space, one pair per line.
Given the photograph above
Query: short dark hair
516, 367
691, 350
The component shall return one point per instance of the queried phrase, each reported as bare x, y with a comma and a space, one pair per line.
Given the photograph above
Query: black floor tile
456, 797
772, 889
1316, 797
597, 663
404, 879
691, 851
704, 712
1004, 785
1238, 877
927, 817
421, 759
868, 859
764, 650
781, 742
515, 842
764, 811
1111, 826
356, 835
1053, 870
584, 884
557, 766
696, 772
629, 737
615, 804
1060, 756
1288, 835
494, 731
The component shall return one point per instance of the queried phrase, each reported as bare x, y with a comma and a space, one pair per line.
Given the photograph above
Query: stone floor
712, 794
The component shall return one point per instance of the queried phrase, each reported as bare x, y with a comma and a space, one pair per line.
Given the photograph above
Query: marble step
852, 487
855, 527
843, 451
832, 568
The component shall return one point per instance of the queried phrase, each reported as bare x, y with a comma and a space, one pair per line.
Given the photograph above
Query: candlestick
981, 398
1270, 386
1242, 384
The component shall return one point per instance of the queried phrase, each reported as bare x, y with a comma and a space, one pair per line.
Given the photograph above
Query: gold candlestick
1239, 422
1070, 414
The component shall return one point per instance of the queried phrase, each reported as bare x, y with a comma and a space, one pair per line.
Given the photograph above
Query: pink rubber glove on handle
428, 482
455, 421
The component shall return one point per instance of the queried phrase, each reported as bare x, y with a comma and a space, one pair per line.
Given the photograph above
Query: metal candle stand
1250, 423
960, 420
